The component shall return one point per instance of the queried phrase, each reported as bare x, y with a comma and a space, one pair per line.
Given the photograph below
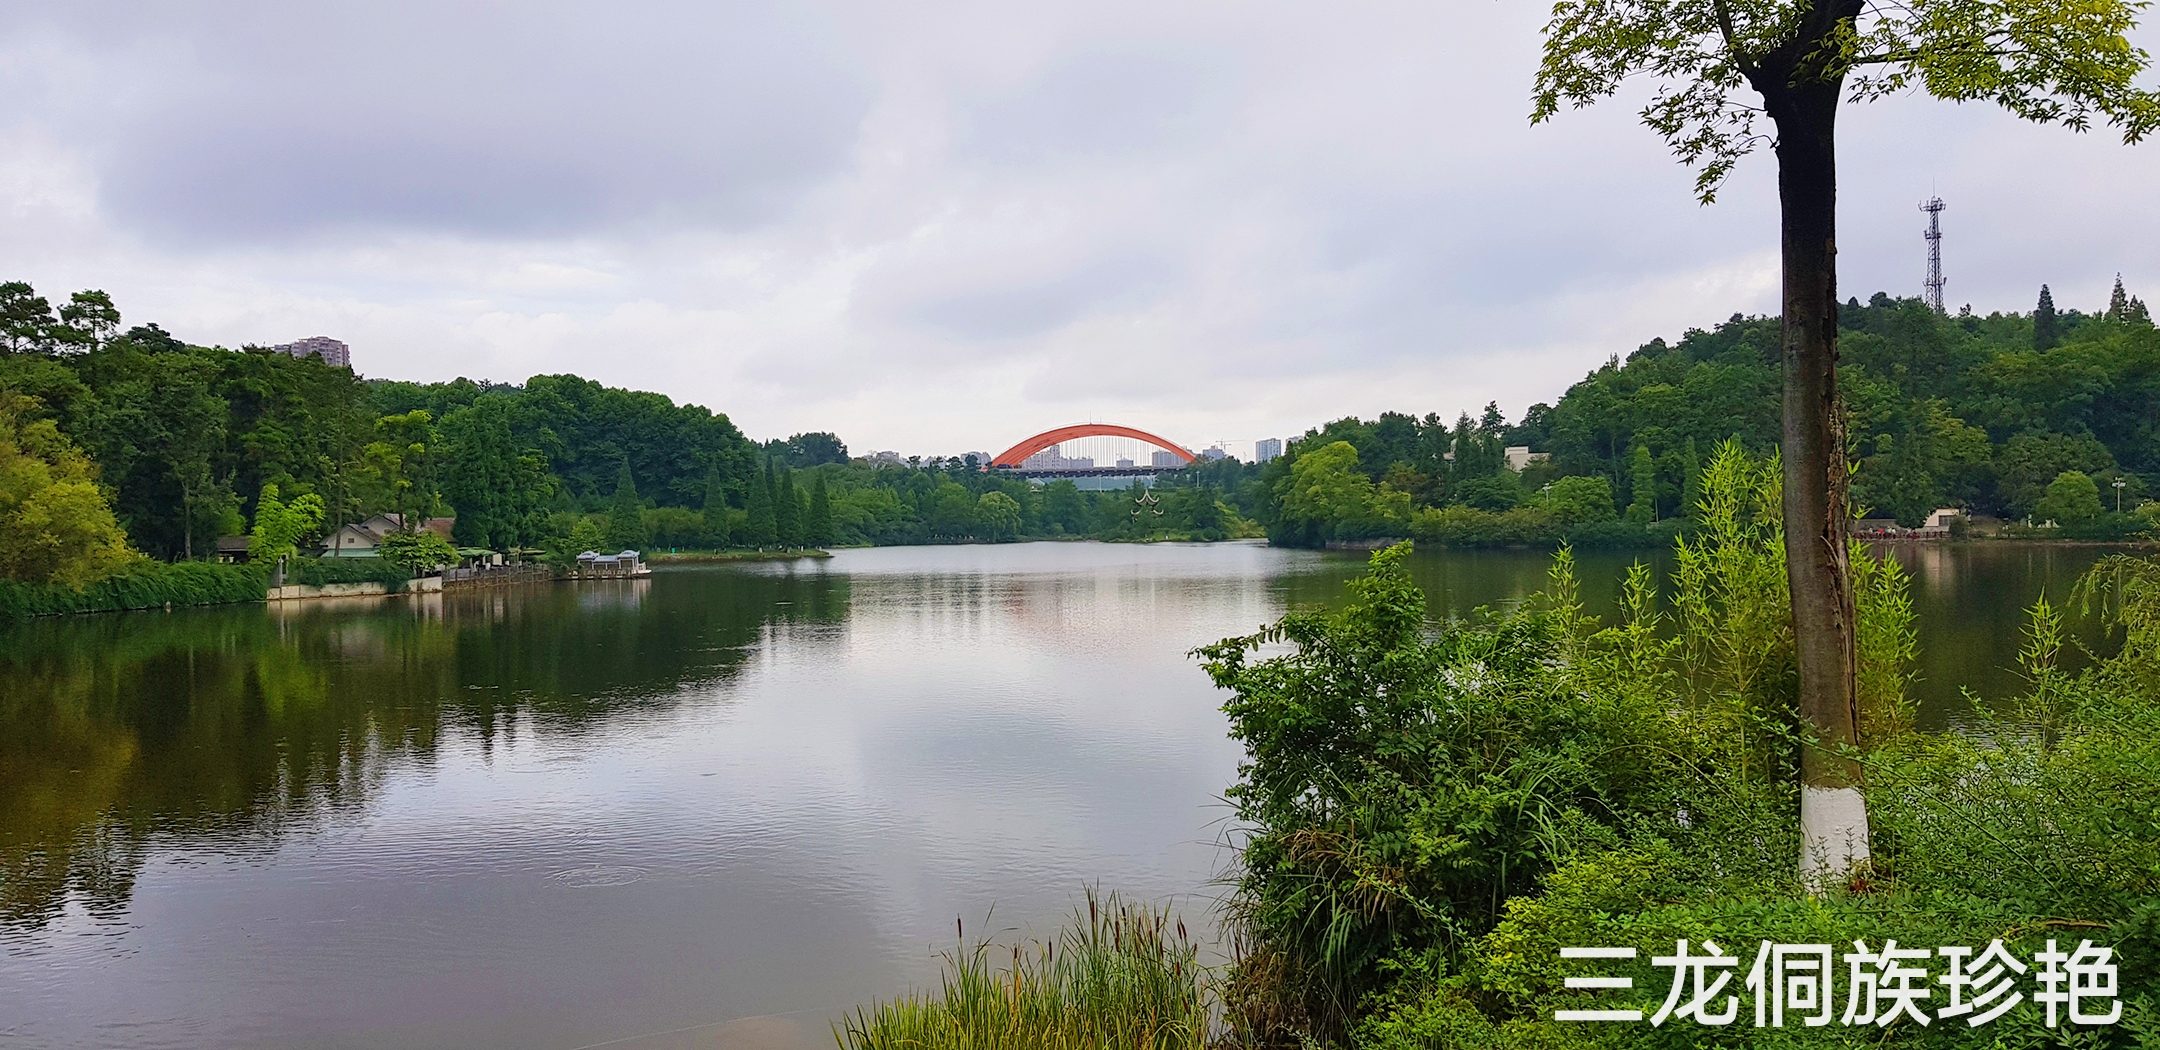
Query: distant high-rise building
1053, 458
1212, 453
1266, 449
334, 353
1124, 462
1168, 459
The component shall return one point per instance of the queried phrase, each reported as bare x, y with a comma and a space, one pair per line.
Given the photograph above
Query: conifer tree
1690, 480
716, 508
1642, 476
787, 510
626, 518
820, 526
2118, 304
2047, 330
761, 530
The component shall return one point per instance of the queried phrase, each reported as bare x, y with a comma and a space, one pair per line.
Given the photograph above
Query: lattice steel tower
1934, 207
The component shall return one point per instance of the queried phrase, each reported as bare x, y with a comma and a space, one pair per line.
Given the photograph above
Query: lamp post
2119, 483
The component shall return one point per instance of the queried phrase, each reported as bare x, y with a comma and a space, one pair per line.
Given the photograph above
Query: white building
1167, 459
1053, 458
1266, 449
1520, 456
334, 353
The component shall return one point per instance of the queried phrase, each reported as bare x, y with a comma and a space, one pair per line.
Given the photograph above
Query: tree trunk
1833, 815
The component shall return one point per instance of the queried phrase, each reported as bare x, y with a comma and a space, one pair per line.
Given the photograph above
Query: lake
715, 807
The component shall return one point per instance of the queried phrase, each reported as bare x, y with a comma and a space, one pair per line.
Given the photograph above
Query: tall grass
144, 584
1124, 976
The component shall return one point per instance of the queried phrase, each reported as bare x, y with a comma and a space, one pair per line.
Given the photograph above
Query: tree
1575, 500
87, 321
998, 516
1690, 479
2073, 498
1064, 510
499, 488
2118, 309
2063, 61
2046, 329
415, 550
716, 508
818, 527
399, 469
787, 510
280, 526
55, 526
1642, 486
762, 528
26, 319
626, 514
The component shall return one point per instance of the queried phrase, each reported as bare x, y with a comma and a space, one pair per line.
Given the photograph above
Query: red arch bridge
1039, 456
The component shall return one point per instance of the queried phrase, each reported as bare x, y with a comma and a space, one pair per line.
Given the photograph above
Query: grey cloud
1100, 102
504, 120
776, 209
1017, 303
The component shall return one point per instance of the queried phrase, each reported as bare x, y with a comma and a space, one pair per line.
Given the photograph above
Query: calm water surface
712, 808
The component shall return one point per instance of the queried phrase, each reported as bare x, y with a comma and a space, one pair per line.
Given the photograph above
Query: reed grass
1123, 976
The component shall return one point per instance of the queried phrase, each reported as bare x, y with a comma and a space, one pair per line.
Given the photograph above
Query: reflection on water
553, 815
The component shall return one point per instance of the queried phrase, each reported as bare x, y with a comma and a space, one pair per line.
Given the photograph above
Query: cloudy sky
941, 226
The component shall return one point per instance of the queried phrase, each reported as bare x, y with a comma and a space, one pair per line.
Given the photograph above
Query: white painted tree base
1833, 835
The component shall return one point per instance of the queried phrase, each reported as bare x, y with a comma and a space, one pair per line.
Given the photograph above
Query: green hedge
1534, 527
316, 572
145, 585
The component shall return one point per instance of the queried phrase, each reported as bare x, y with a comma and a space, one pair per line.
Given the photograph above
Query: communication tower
1934, 209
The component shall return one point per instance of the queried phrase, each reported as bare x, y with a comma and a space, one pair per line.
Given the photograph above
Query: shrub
140, 585
1435, 812
319, 572
416, 550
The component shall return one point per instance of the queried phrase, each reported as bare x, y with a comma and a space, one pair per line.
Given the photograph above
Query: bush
417, 550
1535, 526
1434, 812
141, 585
319, 572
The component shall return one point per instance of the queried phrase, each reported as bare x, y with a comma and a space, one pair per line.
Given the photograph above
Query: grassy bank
1123, 976
143, 585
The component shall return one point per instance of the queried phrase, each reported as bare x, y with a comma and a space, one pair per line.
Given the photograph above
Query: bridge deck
1088, 472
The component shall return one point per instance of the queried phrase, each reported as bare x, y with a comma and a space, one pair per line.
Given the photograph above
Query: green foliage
762, 528
997, 515
787, 509
1642, 484
280, 526
55, 526
626, 515
416, 550
718, 523
2072, 499
584, 533
1410, 790
321, 572
1573, 501
140, 584
2051, 63
818, 524
1120, 977
497, 482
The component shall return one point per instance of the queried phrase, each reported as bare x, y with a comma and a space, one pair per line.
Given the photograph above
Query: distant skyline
946, 226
